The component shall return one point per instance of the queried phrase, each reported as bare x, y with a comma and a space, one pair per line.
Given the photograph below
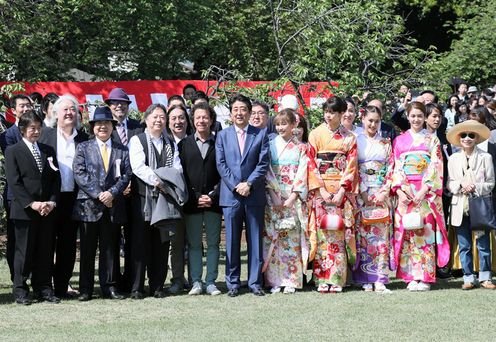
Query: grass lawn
444, 314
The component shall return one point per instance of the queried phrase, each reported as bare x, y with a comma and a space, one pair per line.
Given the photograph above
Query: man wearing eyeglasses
126, 128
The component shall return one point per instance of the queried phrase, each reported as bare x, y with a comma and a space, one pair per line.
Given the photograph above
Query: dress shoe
66, 295
23, 301
113, 294
233, 293
468, 286
258, 292
488, 285
50, 298
137, 295
159, 294
84, 297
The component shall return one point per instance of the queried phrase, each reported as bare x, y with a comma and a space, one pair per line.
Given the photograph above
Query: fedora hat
482, 133
117, 94
102, 114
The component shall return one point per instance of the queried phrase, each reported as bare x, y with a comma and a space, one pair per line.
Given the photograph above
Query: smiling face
240, 114
155, 121
371, 123
467, 140
102, 130
416, 118
434, 120
348, 117
21, 106
285, 129
119, 109
66, 114
202, 121
32, 132
177, 122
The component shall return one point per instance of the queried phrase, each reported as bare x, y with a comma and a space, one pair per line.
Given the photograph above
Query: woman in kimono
334, 182
374, 221
418, 219
285, 246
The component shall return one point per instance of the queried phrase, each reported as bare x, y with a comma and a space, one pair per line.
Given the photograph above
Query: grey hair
67, 97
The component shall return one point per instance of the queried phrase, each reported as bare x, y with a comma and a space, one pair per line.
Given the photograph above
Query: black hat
103, 114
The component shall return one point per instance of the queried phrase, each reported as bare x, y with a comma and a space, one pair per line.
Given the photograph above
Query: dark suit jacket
234, 168
10, 137
91, 178
388, 131
27, 183
50, 137
133, 128
201, 174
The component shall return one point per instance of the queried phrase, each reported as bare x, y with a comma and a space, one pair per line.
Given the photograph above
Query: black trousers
124, 279
149, 254
103, 234
33, 253
65, 241
10, 252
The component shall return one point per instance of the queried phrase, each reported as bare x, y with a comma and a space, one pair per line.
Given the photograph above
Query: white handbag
413, 221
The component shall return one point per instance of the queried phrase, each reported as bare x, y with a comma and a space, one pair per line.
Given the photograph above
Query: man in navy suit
102, 172
118, 102
242, 154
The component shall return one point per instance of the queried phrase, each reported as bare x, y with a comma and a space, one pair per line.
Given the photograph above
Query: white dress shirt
109, 147
66, 149
137, 159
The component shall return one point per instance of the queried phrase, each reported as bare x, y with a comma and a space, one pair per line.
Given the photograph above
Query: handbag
373, 215
413, 220
332, 219
286, 223
481, 212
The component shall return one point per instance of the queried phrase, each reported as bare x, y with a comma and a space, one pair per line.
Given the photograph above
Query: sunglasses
469, 135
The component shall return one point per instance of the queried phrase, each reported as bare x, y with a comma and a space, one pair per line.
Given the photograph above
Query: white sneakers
418, 286
278, 289
197, 289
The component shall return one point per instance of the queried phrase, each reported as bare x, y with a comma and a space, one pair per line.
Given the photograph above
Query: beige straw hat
482, 133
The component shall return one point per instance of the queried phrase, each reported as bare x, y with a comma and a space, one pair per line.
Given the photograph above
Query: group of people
351, 200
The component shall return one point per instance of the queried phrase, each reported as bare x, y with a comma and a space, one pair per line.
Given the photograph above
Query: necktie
105, 157
121, 129
37, 158
241, 140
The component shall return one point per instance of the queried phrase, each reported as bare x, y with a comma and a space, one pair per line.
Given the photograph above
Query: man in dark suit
64, 139
20, 104
126, 128
34, 180
102, 172
242, 154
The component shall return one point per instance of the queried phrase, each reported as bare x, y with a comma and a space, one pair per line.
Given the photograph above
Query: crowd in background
354, 200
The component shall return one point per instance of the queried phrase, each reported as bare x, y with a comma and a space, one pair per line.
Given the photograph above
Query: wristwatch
248, 183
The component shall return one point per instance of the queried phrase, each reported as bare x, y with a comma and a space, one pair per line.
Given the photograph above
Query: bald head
376, 103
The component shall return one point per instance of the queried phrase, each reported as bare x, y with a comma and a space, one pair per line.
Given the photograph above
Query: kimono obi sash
415, 163
372, 173
331, 165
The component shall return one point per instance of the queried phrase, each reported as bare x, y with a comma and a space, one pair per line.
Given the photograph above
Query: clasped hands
467, 187
106, 198
334, 199
243, 189
43, 208
406, 199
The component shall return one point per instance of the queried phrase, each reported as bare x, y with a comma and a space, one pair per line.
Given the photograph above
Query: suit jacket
90, 176
484, 169
26, 181
201, 174
133, 128
388, 131
10, 137
234, 168
50, 137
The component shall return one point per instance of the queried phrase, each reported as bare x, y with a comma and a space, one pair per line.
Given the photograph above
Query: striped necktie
121, 130
37, 157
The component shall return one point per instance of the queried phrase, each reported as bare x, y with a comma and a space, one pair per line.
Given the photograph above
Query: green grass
444, 314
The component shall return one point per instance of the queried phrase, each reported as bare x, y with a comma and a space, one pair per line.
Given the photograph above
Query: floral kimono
375, 167
335, 155
417, 161
285, 239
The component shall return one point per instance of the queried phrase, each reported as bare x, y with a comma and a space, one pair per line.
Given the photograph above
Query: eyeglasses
261, 113
469, 135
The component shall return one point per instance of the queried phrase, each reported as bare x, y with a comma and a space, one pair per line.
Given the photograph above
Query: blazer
27, 183
133, 128
50, 137
11, 136
91, 178
201, 175
234, 168
484, 182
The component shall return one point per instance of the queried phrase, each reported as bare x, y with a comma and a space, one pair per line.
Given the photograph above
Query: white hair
67, 97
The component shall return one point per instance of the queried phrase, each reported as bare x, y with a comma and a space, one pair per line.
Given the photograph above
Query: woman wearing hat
471, 171
418, 219
102, 173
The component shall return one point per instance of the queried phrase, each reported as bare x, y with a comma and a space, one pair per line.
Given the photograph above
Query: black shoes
23, 301
84, 297
137, 295
258, 292
159, 294
50, 299
233, 293
113, 294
